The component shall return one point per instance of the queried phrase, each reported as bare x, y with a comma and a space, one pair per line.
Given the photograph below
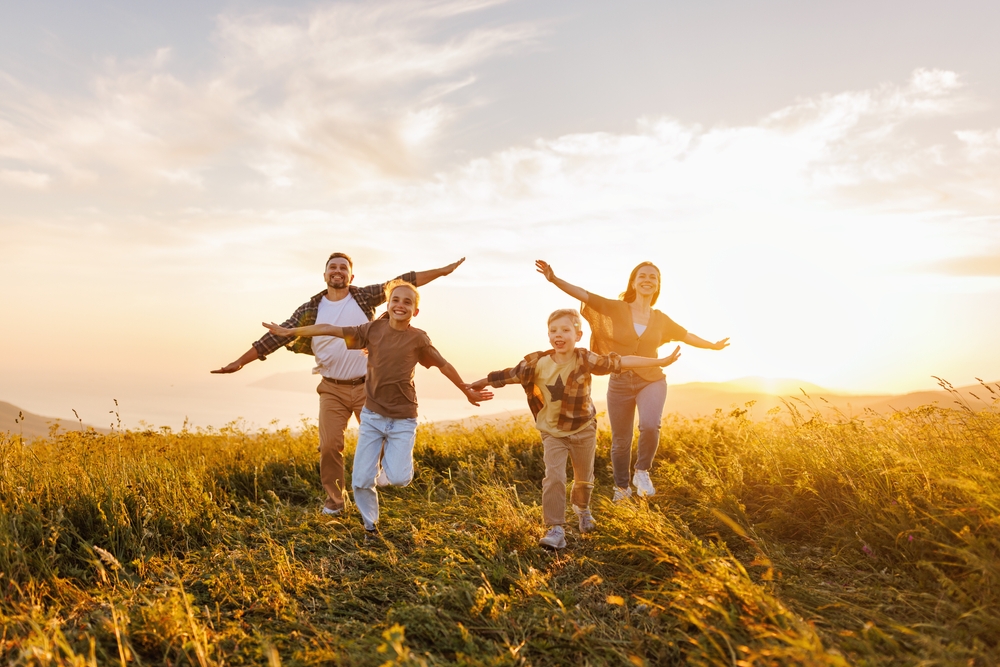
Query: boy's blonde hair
399, 282
571, 314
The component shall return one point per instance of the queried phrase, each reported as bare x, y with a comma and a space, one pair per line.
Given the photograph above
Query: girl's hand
476, 396
666, 361
277, 329
543, 268
720, 344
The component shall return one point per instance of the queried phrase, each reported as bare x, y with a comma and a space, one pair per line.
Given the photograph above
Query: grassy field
794, 540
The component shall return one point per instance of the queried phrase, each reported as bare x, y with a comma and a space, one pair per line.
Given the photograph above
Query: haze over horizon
820, 183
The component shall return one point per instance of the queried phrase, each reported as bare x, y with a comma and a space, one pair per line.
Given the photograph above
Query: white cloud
31, 180
341, 94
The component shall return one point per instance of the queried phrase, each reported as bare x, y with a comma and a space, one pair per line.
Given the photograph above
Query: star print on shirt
556, 390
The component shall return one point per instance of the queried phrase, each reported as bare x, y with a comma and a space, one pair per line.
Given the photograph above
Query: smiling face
647, 281
564, 334
402, 304
338, 273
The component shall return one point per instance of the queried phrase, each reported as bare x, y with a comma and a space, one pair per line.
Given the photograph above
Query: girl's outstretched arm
472, 394
311, 330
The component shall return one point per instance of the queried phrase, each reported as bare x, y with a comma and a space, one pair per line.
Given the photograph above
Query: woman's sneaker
622, 494
643, 486
585, 518
554, 539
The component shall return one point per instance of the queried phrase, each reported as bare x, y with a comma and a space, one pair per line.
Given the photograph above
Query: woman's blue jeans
626, 393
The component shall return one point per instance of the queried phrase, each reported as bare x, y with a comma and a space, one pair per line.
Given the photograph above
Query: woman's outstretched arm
695, 341
576, 292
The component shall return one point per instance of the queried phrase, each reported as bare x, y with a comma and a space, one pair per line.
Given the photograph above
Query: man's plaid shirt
368, 298
577, 408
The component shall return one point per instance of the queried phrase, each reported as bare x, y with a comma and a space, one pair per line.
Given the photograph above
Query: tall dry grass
800, 539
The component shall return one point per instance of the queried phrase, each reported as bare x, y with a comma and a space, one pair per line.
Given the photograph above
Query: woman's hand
666, 361
543, 268
277, 329
720, 344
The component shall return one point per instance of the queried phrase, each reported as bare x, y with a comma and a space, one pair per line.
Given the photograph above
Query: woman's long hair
628, 296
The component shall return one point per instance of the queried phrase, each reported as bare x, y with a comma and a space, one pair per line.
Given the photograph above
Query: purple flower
909, 538
866, 549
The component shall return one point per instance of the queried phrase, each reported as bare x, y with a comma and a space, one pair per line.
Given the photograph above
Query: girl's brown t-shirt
612, 330
392, 357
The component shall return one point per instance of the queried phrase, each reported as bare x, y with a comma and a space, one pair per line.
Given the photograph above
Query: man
341, 391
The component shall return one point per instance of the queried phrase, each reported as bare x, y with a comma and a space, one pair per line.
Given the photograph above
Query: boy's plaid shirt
368, 298
577, 409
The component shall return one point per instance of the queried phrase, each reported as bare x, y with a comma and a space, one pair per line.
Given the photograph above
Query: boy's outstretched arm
474, 396
632, 361
311, 330
424, 277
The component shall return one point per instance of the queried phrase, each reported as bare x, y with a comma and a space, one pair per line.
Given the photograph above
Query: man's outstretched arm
424, 277
246, 358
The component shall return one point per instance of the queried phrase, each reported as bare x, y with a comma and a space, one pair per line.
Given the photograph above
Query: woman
630, 325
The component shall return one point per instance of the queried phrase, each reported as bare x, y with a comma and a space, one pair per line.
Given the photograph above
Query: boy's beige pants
579, 448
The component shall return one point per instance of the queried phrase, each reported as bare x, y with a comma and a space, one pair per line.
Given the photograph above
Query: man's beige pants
337, 402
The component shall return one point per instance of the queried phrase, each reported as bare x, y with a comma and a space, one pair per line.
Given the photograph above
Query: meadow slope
795, 539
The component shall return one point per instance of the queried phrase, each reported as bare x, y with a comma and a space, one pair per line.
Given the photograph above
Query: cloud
31, 180
331, 97
969, 266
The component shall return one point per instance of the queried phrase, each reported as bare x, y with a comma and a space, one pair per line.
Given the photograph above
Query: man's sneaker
643, 486
381, 479
554, 539
622, 494
329, 512
585, 518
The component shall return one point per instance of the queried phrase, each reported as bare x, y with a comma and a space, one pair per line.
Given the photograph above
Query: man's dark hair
342, 255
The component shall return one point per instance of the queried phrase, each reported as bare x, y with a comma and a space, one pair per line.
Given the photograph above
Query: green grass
795, 540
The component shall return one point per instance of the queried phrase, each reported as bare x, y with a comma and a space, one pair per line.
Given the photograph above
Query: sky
820, 182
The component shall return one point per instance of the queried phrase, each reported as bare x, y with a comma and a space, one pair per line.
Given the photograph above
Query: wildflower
868, 551
909, 538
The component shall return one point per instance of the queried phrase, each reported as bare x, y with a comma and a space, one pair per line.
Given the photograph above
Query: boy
384, 454
557, 383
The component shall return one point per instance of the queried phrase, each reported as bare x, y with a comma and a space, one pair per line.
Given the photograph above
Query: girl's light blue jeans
386, 440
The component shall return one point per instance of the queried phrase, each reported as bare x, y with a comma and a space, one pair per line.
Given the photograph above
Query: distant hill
700, 399
31, 425
704, 398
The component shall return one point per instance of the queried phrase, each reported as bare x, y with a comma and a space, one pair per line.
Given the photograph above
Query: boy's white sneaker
643, 486
554, 539
381, 479
622, 494
585, 518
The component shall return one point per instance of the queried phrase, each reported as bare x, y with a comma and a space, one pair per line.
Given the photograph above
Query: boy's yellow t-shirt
550, 378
